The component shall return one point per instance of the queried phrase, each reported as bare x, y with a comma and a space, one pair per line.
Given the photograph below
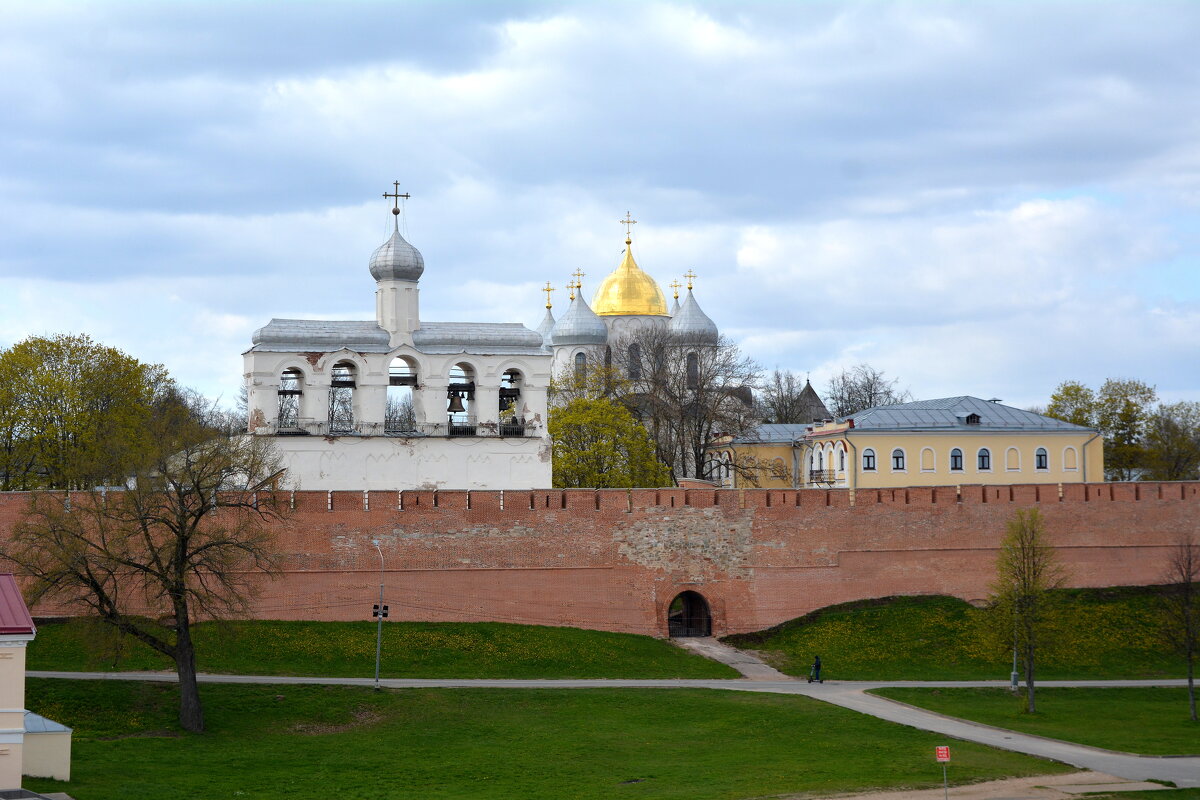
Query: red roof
14, 614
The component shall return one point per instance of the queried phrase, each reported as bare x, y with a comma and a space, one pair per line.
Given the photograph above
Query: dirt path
1040, 787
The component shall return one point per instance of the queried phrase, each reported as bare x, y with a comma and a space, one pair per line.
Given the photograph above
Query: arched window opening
956, 460
460, 410
580, 366
291, 384
688, 615
868, 460
693, 371
342, 382
927, 460
512, 420
1012, 460
841, 460
985, 459
635, 362
897, 460
820, 460
1041, 459
400, 413
1070, 459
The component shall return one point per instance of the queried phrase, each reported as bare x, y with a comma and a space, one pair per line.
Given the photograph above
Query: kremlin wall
614, 559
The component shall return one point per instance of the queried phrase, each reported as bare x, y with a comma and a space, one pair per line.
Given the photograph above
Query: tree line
1144, 439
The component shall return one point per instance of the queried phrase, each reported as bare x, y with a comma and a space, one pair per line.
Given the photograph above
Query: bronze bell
456, 404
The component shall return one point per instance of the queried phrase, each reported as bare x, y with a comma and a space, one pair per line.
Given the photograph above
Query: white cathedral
403, 403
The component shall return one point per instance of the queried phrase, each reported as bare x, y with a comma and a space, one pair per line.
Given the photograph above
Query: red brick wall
614, 559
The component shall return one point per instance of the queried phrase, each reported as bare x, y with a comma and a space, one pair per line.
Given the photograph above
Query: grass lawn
410, 650
1104, 633
1147, 721
353, 743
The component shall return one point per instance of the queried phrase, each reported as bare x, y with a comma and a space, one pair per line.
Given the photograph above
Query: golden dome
629, 291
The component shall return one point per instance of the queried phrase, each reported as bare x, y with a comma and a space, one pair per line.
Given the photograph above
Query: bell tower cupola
396, 267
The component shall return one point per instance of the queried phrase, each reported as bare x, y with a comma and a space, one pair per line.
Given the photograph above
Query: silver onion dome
692, 325
579, 325
396, 260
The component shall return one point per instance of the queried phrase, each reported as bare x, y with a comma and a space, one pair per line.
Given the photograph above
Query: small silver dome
545, 330
397, 260
579, 325
692, 325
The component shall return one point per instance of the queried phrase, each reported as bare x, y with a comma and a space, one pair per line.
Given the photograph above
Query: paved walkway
1183, 771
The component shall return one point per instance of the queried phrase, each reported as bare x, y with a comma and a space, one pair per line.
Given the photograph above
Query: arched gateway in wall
689, 615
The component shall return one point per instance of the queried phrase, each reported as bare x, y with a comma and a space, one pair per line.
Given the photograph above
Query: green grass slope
1102, 633
410, 650
353, 743
1149, 721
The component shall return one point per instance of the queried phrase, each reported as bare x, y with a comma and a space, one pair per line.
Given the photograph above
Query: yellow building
945, 442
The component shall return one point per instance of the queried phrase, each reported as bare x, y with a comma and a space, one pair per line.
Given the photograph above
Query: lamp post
379, 612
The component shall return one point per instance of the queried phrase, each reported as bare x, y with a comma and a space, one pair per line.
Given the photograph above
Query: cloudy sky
978, 198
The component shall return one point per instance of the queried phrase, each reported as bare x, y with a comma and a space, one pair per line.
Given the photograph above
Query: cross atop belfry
395, 194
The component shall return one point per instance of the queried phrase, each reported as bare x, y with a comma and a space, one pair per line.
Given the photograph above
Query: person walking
815, 673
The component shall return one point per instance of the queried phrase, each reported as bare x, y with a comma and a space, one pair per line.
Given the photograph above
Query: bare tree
1027, 570
685, 393
152, 559
1181, 607
399, 415
862, 387
787, 399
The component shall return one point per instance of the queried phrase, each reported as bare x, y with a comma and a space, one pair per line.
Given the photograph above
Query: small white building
401, 403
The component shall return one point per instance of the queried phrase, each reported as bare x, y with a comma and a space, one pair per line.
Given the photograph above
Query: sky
977, 198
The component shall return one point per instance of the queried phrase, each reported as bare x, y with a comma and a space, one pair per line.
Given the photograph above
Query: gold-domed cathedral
627, 302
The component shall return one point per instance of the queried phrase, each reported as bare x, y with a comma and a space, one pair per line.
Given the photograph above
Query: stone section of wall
614, 559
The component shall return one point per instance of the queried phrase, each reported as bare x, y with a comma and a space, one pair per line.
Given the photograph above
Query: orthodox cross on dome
571, 287
691, 277
675, 285
628, 222
395, 194
578, 273
548, 290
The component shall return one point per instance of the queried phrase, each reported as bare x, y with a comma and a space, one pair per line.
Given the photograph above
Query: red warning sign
943, 752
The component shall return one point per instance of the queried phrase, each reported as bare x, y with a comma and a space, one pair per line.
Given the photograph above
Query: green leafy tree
598, 444
75, 413
1027, 569
1172, 443
151, 559
1122, 411
1073, 402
